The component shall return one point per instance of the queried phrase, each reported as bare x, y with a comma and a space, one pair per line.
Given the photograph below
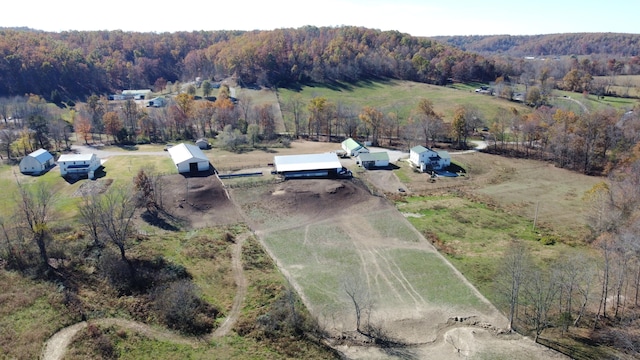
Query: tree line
75, 64
606, 44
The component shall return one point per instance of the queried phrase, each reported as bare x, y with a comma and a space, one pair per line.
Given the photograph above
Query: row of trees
593, 142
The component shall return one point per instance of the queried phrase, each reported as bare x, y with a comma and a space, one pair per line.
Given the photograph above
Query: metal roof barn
37, 162
189, 158
307, 162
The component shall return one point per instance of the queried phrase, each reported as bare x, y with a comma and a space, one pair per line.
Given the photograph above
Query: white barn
37, 162
189, 158
426, 159
353, 148
309, 165
374, 160
79, 165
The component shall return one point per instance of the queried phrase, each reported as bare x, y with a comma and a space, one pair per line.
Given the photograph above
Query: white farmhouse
426, 159
189, 158
37, 162
79, 165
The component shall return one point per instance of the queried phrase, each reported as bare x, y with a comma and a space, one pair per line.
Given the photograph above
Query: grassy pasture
402, 97
623, 85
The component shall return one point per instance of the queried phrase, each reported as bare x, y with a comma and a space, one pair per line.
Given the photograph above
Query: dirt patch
296, 202
199, 201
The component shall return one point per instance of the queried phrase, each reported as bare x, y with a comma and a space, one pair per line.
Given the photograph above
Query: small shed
37, 162
353, 148
374, 160
79, 165
189, 158
203, 144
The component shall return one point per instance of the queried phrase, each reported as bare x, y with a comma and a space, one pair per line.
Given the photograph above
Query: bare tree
540, 291
90, 211
35, 207
117, 208
512, 274
360, 298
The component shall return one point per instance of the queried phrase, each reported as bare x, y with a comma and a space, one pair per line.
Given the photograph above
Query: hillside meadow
401, 97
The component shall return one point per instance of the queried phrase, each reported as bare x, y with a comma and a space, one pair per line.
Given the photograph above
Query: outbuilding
203, 144
353, 148
79, 165
427, 159
37, 162
309, 165
189, 158
374, 160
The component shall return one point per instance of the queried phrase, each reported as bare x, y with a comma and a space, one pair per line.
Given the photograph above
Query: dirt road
56, 347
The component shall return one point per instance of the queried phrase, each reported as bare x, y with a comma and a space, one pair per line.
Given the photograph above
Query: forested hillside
73, 65
609, 44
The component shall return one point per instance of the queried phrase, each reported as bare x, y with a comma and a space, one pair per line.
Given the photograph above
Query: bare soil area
201, 201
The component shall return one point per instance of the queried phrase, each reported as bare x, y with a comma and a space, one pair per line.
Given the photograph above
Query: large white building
37, 162
309, 165
189, 158
426, 159
79, 165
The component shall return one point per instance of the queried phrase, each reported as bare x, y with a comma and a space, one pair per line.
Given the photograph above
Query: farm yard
340, 241
390, 257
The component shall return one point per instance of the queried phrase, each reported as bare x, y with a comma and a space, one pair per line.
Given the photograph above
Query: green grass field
402, 97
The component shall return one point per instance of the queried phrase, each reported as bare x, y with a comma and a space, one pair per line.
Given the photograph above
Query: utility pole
535, 217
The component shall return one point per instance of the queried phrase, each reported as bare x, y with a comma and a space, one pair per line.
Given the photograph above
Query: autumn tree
203, 113
207, 87
319, 109
225, 113
459, 126
148, 191
428, 121
7, 137
266, 120
97, 107
295, 107
253, 133
372, 117
130, 114
112, 124
82, 127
